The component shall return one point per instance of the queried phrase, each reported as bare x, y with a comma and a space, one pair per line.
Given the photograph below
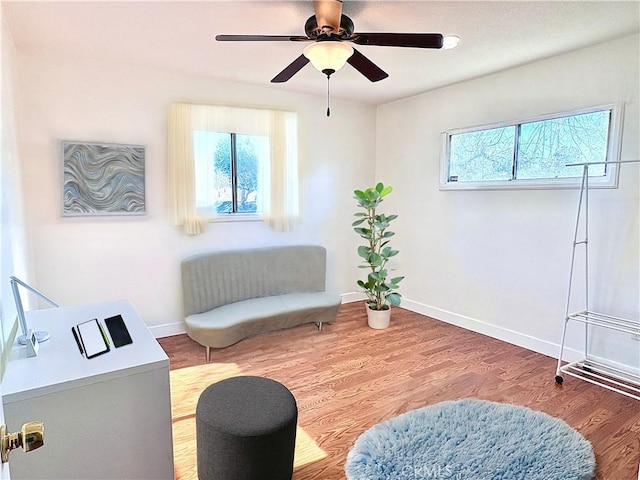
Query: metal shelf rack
590, 369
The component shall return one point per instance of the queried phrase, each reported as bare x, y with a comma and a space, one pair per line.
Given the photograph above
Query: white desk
108, 417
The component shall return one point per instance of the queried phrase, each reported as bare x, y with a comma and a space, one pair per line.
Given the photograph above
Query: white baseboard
507, 335
351, 297
500, 333
167, 330
551, 349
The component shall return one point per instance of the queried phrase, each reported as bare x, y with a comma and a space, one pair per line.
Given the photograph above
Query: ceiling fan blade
290, 70
417, 40
328, 14
366, 67
261, 38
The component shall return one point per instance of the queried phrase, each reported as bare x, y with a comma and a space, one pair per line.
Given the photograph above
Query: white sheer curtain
278, 176
181, 170
278, 181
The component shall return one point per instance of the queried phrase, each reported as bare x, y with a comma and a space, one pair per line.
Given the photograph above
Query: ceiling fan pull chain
328, 106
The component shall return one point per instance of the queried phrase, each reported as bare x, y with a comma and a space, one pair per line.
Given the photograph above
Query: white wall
80, 260
13, 258
498, 261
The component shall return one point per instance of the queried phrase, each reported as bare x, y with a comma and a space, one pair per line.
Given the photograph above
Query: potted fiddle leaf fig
373, 227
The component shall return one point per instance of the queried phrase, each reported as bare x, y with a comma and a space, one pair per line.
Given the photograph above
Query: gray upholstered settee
230, 295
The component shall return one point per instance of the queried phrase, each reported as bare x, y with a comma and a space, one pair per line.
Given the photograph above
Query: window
232, 163
533, 154
227, 169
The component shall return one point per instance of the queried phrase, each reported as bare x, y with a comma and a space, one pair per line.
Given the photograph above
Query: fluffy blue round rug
471, 440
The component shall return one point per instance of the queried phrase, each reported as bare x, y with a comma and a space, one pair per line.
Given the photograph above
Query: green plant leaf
396, 280
359, 194
385, 190
358, 222
378, 277
394, 298
364, 251
391, 217
381, 225
388, 234
375, 259
374, 277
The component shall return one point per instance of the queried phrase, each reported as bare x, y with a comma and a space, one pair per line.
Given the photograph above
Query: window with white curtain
232, 162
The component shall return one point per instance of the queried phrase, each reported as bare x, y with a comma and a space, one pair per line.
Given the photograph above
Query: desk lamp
42, 336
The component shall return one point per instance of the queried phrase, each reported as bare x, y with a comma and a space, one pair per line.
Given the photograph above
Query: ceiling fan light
328, 55
450, 41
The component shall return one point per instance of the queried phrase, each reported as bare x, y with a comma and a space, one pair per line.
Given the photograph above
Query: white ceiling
179, 36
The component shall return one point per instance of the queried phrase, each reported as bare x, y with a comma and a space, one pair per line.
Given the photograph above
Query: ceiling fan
331, 32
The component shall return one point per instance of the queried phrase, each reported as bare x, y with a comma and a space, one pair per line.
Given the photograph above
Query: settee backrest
212, 279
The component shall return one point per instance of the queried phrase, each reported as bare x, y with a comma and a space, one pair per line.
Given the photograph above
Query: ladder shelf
591, 369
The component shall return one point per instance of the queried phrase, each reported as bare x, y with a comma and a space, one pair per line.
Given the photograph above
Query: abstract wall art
103, 179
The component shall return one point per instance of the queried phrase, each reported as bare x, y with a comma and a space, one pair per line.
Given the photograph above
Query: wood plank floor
349, 377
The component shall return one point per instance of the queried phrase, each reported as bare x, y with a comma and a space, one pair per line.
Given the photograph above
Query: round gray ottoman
246, 430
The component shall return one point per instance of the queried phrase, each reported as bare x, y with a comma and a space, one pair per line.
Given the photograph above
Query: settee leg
319, 324
208, 353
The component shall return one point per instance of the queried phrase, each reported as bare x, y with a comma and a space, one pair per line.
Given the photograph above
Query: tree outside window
528, 152
227, 170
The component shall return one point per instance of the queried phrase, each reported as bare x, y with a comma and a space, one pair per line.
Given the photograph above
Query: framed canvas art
103, 179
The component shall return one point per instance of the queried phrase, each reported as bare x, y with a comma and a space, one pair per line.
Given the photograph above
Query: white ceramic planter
378, 319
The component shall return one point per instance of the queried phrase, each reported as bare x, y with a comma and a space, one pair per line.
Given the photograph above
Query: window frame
609, 180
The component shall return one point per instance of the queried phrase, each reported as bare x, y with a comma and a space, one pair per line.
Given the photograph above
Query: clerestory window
538, 153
